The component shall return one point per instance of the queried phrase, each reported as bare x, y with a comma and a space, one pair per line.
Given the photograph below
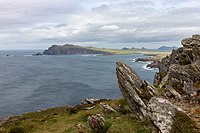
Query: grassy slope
65, 120
157, 55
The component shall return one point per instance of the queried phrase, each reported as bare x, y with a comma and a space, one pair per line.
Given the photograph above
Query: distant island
69, 49
165, 48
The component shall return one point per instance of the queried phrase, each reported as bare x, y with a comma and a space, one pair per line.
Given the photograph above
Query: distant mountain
165, 48
69, 49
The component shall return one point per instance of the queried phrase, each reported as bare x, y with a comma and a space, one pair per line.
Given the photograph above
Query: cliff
71, 49
180, 71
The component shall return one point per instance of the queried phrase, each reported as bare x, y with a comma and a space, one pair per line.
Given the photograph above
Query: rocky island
170, 105
69, 49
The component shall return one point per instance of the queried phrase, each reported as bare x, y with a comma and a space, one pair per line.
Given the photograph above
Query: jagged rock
133, 89
154, 64
161, 112
106, 108
89, 101
144, 100
174, 93
181, 69
190, 42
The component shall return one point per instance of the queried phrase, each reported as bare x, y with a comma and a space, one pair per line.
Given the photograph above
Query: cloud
101, 23
109, 27
60, 25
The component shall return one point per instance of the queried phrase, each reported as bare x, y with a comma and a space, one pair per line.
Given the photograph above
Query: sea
31, 83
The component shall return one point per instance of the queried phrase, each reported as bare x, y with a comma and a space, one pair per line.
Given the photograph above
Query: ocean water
31, 83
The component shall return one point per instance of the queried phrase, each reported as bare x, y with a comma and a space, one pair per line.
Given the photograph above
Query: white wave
133, 60
148, 68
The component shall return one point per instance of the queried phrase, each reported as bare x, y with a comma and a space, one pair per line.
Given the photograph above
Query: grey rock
90, 108
90, 101
161, 112
96, 122
174, 93
131, 87
144, 99
106, 108
181, 69
196, 37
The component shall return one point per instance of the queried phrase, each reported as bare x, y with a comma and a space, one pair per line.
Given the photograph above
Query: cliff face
180, 71
70, 50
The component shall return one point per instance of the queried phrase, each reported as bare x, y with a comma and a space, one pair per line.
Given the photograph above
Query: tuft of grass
122, 102
182, 124
144, 131
72, 111
17, 130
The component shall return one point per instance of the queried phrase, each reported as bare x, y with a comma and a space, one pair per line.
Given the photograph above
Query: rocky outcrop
144, 100
190, 42
145, 59
181, 70
69, 49
154, 64
136, 92
106, 108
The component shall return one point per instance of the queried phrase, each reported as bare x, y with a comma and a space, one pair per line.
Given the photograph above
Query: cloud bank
37, 24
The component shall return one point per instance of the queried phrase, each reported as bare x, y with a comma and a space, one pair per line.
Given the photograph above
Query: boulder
96, 122
161, 112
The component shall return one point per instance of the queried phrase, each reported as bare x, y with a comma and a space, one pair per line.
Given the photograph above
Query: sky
38, 24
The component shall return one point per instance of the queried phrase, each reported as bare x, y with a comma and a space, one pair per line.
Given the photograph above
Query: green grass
65, 120
182, 124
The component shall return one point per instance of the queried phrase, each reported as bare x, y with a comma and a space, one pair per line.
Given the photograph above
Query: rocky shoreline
170, 105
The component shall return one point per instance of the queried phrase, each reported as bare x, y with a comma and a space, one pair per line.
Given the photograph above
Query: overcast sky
37, 24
